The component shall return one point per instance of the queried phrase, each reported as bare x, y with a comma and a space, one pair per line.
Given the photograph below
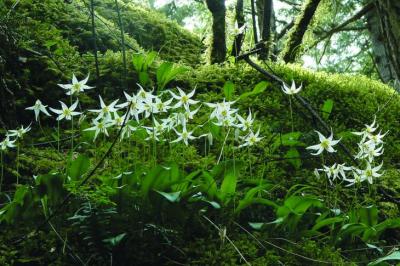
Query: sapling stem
291, 111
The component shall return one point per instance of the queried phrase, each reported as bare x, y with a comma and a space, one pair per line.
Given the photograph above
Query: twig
230, 241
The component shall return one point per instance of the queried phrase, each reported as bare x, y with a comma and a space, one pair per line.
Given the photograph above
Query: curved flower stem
18, 161
291, 111
58, 135
223, 145
2, 170
251, 168
72, 130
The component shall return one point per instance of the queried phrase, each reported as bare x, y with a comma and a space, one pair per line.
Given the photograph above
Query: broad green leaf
293, 157
393, 256
369, 215
78, 167
143, 78
229, 89
150, 57
209, 185
51, 186
151, 178
228, 186
20, 194
327, 108
261, 201
114, 241
138, 60
170, 196
326, 222
259, 88
256, 226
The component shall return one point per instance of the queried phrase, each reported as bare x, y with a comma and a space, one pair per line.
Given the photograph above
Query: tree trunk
265, 11
384, 27
295, 38
237, 42
218, 46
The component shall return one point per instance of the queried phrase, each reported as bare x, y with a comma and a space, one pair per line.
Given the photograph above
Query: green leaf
327, 108
143, 78
78, 167
150, 179
19, 194
369, 215
138, 61
114, 241
171, 196
150, 57
291, 139
256, 226
209, 185
229, 170
393, 256
326, 222
259, 88
229, 89
249, 198
293, 157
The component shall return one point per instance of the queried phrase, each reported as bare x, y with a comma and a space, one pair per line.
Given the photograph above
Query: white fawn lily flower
157, 128
369, 173
190, 114
184, 136
134, 103
105, 110
37, 108
376, 139
332, 172
117, 120
357, 179
245, 124
369, 129
237, 30
65, 111
76, 86
127, 131
183, 98
148, 107
325, 144
221, 109
251, 139
342, 169
143, 95
100, 126
292, 89
160, 106
7, 143
20, 132
371, 152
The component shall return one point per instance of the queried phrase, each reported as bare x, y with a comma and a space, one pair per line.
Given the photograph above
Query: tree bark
265, 11
218, 46
239, 16
383, 23
295, 38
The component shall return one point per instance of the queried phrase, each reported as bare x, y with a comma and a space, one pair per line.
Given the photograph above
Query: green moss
153, 31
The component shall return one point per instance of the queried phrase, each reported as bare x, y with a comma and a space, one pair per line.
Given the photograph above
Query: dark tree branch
295, 38
343, 26
284, 30
302, 101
